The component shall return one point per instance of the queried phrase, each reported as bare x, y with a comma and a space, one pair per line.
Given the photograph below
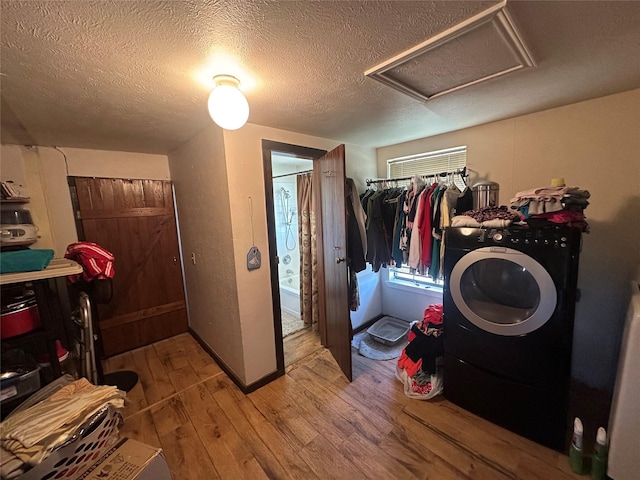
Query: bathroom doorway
285, 172
296, 159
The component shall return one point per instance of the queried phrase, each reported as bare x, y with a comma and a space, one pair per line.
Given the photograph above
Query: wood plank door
331, 171
135, 220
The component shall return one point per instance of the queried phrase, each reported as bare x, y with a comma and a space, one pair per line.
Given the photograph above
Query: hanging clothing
464, 202
452, 194
381, 214
358, 211
96, 261
434, 268
397, 252
356, 244
425, 227
354, 291
405, 227
415, 245
375, 234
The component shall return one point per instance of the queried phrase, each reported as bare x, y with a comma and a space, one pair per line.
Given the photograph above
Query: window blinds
429, 163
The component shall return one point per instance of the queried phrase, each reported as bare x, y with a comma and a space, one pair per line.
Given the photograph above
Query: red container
19, 317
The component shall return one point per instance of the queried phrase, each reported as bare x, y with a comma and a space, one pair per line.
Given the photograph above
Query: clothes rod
462, 172
294, 173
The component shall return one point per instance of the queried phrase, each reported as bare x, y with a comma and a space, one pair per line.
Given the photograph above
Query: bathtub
290, 294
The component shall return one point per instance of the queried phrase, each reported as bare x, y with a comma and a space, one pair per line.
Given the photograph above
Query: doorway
330, 313
286, 169
277, 226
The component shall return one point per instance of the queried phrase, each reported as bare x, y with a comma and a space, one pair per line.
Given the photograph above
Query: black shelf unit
54, 307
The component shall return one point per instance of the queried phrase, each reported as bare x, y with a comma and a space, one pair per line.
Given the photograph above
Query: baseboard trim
368, 323
244, 388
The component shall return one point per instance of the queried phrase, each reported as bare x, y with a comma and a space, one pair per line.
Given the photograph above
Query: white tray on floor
389, 330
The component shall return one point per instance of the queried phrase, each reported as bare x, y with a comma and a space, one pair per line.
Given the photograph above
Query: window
430, 163
425, 164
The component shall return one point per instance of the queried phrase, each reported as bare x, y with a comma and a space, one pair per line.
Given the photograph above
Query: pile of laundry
489, 217
28, 436
553, 205
420, 364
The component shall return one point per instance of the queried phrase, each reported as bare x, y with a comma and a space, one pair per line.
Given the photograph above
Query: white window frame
446, 160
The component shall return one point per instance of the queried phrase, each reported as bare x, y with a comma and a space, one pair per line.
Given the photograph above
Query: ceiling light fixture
228, 107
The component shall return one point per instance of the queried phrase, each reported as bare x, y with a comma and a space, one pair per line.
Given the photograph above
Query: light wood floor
312, 423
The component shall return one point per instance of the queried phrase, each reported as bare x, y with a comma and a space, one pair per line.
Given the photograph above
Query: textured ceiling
128, 75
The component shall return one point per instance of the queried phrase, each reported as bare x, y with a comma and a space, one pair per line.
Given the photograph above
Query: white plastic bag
421, 392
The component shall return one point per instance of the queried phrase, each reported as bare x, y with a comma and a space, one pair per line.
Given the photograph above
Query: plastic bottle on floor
576, 456
599, 460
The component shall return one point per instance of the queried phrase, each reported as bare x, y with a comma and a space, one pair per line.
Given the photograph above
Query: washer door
503, 291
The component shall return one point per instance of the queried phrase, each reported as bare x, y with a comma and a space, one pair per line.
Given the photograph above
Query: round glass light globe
228, 107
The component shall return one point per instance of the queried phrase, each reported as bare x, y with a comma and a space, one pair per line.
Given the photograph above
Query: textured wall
199, 173
23, 166
593, 145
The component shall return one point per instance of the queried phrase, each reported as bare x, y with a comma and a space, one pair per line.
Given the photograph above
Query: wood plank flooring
312, 423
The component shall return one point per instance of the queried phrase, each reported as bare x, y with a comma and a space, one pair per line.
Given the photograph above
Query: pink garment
433, 314
424, 226
563, 216
96, 261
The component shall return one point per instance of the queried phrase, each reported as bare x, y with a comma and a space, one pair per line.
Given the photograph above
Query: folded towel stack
28, 260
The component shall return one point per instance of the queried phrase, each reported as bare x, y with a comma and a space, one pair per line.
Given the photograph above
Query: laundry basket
91, 441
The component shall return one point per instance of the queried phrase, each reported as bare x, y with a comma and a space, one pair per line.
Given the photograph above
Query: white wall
360, 164
22, 166
369, 288
406, 302
199, 173
593, 145
11, 165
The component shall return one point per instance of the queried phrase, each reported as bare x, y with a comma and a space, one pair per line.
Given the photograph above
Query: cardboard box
129, 460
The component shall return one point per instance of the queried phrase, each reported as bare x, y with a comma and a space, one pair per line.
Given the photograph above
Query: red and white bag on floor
419, 367
427, 391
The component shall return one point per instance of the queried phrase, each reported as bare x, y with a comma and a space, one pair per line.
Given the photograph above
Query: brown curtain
308, 252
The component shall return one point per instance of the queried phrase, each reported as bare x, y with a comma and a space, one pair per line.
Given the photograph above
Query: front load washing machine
509, 302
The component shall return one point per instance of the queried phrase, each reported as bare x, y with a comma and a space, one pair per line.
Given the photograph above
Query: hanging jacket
96, 262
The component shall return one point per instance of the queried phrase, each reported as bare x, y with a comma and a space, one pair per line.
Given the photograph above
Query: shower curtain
308, 252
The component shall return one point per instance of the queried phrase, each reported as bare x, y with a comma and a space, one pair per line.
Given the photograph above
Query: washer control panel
542, 237
515, 236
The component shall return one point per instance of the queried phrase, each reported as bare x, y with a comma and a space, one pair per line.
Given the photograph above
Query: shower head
285, 193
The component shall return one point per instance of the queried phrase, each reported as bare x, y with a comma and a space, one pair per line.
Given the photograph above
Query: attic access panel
485, 46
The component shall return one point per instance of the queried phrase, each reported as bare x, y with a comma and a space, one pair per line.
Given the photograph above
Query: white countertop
58, 267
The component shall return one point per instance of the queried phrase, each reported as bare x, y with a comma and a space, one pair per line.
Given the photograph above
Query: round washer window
503, 291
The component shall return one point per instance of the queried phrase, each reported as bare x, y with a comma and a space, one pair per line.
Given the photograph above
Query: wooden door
135, 220
331, 172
